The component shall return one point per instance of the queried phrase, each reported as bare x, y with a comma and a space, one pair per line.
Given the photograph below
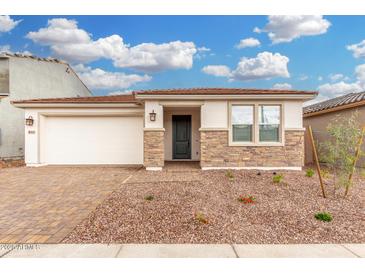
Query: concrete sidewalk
181, 251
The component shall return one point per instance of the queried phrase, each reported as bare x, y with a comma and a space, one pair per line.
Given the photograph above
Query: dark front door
181, 136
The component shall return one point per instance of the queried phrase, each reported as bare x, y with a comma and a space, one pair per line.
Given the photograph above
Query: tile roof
221, 91
130, 98
344, 100
124, 98
47, 59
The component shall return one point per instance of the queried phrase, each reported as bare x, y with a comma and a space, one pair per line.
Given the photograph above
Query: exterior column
154, 149
153, 137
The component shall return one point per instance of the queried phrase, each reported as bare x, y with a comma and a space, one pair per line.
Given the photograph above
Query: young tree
339, 151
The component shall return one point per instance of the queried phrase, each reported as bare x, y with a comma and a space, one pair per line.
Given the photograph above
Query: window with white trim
256, 124
242, 123
269, 123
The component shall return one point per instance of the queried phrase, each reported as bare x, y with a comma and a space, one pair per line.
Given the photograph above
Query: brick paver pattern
43, 204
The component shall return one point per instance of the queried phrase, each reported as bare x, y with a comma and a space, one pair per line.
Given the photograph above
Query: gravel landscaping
203, 207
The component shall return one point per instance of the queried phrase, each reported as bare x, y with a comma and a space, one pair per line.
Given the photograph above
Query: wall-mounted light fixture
29, 121
152, 116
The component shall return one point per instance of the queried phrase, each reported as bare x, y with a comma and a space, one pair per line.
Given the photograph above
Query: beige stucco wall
319, 124
195, 125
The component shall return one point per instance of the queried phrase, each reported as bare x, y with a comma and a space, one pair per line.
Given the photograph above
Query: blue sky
120, 53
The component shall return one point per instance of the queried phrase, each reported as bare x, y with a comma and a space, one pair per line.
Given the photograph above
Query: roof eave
304, 97
76, 105
334, 109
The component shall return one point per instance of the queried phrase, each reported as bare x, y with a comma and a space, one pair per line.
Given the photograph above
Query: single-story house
319, 115
219, 127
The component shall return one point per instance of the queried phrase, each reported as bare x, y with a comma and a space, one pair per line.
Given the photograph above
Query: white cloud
203, 49
100, 79
336, 77
7, 24
358, 50
75, 45
202, 52
220, 71
59, 31
249, 42
265, 65
320, 78
330, 90
282, 86
120, 92
360, 75
286, 28
339, 88
303, 77
156, 57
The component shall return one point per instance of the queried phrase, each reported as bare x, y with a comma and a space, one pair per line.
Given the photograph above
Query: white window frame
255, 133
240, 143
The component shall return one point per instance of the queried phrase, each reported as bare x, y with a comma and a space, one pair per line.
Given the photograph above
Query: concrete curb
182, 251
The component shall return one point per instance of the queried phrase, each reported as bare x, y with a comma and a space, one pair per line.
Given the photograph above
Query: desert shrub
149, 198
230, 175
247, 199
339, 150
278, 178
323, 216
200, 217
309, 172
325, 173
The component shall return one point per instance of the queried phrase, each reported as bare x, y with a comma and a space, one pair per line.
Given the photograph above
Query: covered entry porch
171, 133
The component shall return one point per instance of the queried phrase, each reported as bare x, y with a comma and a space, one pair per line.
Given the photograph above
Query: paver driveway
42, 205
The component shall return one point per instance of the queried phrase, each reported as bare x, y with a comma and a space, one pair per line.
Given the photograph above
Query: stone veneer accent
215, 151
153, 143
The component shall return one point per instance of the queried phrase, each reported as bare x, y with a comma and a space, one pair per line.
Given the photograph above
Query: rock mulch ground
283, 213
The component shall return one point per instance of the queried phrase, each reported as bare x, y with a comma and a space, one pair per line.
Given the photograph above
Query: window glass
242, 123
269, 123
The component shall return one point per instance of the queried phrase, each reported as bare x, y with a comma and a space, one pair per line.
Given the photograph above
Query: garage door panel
92, 140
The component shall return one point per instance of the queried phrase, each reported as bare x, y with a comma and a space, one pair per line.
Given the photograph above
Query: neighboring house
221, 128
27, 77
319, 115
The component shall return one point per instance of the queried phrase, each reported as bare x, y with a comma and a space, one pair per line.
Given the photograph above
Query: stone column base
154, 149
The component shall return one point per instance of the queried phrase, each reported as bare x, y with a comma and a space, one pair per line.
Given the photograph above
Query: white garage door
92, 140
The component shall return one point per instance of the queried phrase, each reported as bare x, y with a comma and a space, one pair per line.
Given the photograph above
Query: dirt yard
282, 213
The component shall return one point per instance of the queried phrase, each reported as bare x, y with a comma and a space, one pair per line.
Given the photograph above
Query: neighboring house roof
131, 98
48, 59
335, 104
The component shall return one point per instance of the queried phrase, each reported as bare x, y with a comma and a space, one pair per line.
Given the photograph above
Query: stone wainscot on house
25, 77
219, 127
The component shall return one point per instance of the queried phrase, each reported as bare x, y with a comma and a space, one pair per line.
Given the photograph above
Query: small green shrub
325, 174
149, 198
323, 216
201, 218
230, 175
277, 179
309, 172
